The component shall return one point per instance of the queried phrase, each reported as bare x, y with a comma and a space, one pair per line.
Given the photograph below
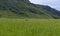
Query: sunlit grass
29, 27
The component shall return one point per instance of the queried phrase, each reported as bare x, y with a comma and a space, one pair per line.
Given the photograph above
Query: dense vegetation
29, 27
15, 19
25, 9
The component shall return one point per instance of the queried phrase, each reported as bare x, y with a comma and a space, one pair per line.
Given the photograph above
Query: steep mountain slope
25, 9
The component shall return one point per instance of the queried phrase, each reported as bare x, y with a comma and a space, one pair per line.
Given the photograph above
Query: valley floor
29, 27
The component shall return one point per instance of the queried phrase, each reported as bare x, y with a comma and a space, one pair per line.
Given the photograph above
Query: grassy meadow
29, 27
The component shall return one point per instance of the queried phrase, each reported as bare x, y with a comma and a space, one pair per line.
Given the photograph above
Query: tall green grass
29, 27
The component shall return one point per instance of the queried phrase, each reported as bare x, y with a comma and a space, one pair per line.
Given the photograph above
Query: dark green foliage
23, 8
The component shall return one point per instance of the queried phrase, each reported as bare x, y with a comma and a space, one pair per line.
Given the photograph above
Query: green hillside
25, 9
